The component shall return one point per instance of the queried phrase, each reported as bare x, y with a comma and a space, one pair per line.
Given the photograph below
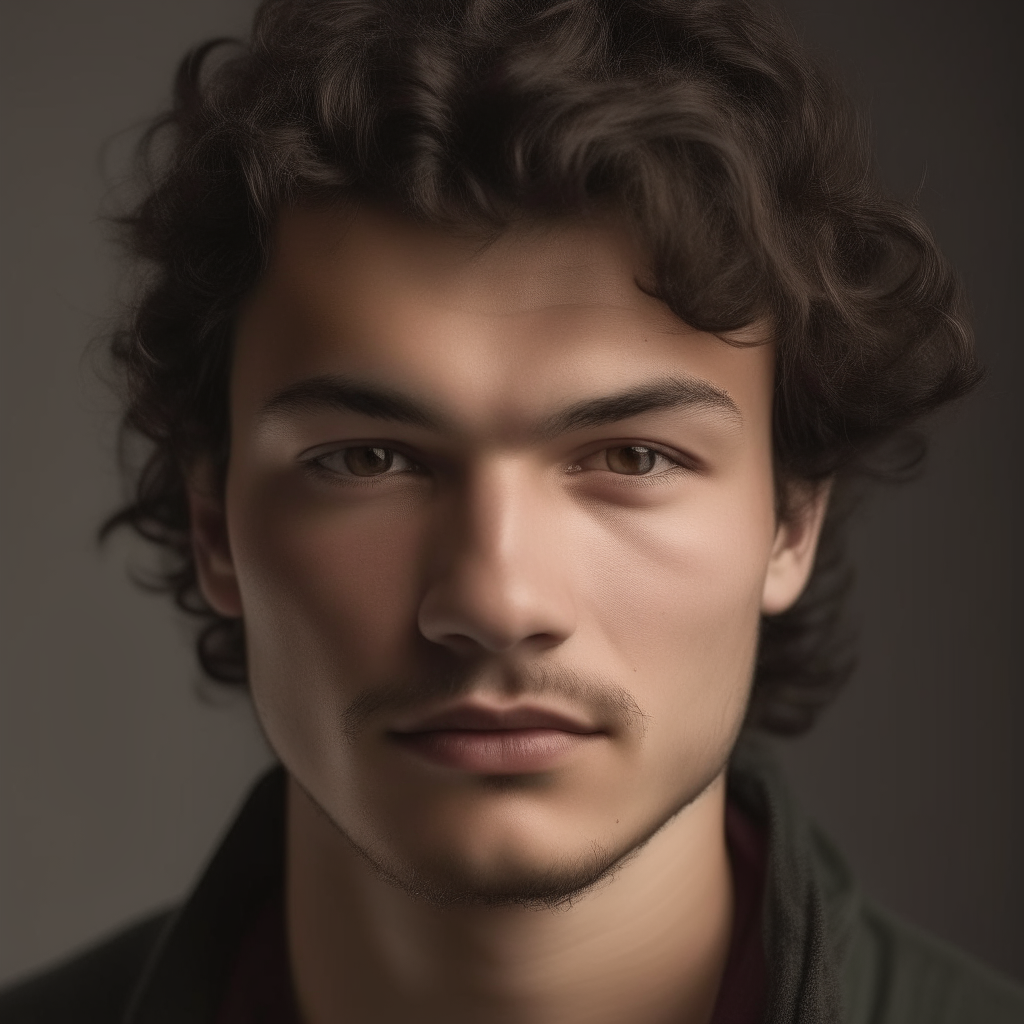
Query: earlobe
792, 557
211, 548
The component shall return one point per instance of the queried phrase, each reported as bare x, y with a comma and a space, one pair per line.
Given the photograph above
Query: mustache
607, 702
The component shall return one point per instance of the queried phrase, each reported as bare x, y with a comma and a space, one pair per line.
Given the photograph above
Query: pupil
635, 459
368, 461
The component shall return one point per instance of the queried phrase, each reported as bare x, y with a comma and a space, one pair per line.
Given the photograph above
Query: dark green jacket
833, 956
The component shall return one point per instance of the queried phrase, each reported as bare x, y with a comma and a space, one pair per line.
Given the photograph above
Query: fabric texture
259, 990
744, 985
832, 956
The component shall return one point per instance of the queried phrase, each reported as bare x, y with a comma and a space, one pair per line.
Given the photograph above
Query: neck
647, 945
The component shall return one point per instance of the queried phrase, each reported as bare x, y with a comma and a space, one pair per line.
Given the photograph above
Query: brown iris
635, 459
368, 461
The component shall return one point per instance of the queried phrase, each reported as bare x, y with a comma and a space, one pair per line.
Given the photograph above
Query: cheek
325, 583
675, 593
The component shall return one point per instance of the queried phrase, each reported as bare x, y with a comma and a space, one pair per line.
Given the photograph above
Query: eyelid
685, 460
318, 451
313, 459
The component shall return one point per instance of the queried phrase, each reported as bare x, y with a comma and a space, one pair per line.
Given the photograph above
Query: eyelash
676, 461
316, 463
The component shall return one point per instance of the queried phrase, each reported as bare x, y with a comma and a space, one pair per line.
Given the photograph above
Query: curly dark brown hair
736, 159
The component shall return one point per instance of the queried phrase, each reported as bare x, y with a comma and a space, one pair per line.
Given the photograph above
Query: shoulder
91, 988
898, 974
891, 972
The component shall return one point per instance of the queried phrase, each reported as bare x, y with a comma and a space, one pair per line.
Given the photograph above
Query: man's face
501, 529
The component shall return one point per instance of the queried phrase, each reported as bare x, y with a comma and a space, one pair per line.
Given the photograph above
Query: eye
629, 460
364, 461
636, 459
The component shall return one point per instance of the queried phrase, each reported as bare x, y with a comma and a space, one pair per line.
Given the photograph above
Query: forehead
529, 266
522, 320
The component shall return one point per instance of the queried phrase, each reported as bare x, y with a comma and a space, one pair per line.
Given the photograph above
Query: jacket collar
187, 971
809, 902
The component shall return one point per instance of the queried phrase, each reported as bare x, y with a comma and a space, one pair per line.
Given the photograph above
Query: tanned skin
501, 529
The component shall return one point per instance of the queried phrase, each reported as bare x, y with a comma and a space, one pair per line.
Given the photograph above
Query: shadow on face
501, 529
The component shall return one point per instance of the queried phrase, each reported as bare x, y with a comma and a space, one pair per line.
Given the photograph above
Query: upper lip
479, 718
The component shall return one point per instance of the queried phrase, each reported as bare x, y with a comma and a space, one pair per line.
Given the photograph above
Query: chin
508, 847
507, 878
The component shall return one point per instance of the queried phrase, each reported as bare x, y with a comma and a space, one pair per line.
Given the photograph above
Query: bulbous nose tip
496, 623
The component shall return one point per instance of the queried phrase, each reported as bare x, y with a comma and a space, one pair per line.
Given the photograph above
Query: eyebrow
663, 393
327, 392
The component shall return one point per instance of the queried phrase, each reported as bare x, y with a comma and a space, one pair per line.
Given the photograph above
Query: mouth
495, 741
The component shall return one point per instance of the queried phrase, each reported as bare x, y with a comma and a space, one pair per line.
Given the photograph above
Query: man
505, 367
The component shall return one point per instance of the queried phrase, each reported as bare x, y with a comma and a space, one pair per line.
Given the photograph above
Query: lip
495, 741
484, 718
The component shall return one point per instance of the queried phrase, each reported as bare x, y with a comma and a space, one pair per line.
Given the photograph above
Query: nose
497, 579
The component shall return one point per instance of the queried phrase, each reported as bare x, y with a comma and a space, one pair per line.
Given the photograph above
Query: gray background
115, 778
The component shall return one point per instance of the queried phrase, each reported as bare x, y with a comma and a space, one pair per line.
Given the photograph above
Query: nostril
470, 640
460, 644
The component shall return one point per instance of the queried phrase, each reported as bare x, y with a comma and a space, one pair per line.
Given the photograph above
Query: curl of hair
739, 164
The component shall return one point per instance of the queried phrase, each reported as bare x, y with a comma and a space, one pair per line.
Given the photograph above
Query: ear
796, 541
210, 547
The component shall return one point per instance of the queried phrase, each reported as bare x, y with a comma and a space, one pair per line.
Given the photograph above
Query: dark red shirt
260, 988
742, 995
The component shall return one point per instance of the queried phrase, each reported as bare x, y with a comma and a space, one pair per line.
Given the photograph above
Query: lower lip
497, 751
